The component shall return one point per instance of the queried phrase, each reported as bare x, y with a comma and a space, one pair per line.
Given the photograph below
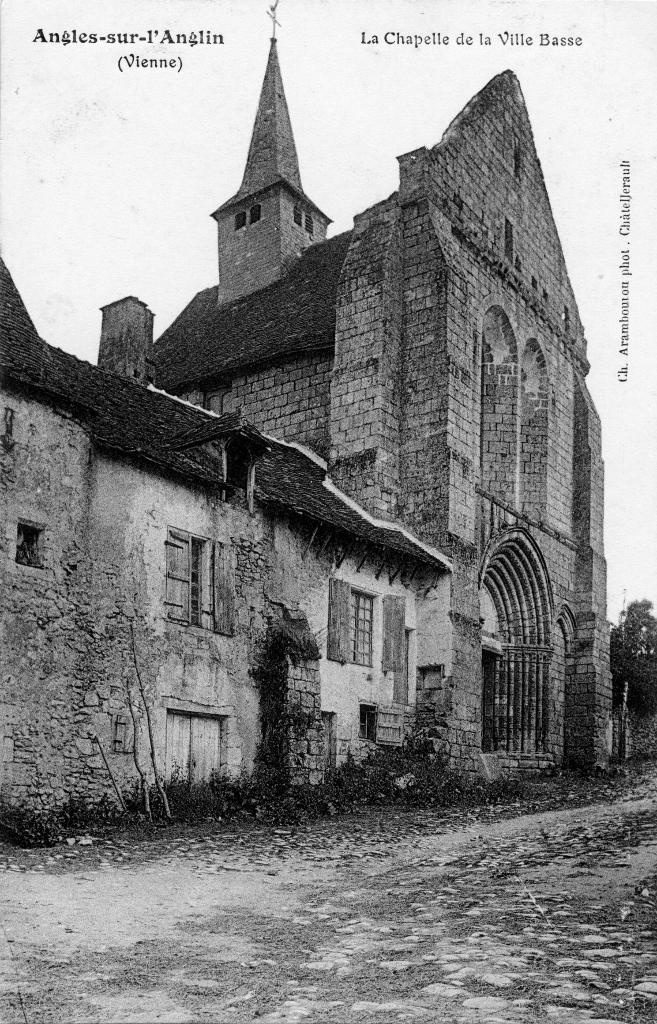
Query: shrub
29, 828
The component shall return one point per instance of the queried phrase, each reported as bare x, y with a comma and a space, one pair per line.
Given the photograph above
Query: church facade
434, 355
379, 445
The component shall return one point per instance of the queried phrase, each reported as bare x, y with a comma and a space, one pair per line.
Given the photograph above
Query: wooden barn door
193, 746
205, 748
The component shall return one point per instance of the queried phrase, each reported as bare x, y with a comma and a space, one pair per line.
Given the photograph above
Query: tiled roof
287, 477
118, 413
142, 422
290, 316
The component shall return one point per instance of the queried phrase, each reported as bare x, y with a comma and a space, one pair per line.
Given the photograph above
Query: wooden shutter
390, 726
400, 680
177, 576
394, 619
224, 588
339, 621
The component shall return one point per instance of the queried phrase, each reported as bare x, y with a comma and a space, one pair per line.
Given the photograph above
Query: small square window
28, 545
367, 726
362, 619
255, 213
8, 436
120, 735
298, 219
309, 224
517, 160
240, 220
508, 239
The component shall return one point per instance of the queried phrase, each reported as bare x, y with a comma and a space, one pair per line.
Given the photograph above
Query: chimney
126, 339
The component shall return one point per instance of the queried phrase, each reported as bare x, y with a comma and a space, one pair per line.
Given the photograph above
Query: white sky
108, 178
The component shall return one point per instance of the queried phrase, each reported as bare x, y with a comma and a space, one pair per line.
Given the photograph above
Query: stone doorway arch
516, 609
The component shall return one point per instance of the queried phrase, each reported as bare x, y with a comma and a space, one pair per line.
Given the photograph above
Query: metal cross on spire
271, 13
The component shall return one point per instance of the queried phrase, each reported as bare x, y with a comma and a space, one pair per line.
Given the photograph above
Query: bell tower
270, 220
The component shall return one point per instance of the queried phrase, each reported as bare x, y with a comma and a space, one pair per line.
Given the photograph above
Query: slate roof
140, 422
118, 413
290, 479
290, 316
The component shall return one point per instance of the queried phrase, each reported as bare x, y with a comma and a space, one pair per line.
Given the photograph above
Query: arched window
499, 406
240, 220
255, 213
298, 217
533, 440
564, 712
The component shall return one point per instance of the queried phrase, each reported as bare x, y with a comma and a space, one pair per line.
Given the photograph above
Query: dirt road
476, 916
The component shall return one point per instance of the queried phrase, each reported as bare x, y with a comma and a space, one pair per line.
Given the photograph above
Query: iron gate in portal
516, 699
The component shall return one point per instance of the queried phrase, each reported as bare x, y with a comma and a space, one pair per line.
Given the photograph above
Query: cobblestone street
488, 915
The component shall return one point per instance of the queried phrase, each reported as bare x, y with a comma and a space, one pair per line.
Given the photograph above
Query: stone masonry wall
467, 189
290, 401
366, 381
306, 759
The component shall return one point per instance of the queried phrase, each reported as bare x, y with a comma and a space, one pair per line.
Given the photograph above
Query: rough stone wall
47, 631
290, 401
68, 657
306, 759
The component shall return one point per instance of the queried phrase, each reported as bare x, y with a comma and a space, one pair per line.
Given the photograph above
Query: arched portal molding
517, 548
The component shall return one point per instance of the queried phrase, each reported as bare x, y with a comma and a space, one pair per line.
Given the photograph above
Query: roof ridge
479, 97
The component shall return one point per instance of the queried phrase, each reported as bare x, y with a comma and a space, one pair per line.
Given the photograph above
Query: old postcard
328, 422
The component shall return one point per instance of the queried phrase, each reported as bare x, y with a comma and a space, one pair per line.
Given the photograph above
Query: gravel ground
543, 910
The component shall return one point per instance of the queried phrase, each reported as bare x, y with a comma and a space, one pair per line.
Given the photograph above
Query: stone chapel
435, 358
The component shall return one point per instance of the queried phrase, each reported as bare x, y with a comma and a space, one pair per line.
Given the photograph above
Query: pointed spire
272, 153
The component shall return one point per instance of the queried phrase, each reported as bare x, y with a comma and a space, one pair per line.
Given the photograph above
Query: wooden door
178, 746
193, 746
205, 748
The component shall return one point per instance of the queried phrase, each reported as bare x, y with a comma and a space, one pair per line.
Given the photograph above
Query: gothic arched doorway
516, 616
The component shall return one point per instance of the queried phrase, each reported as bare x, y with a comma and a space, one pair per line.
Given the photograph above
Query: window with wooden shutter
400, 681
339, 625
224, 589
390, 726
178, 573
367, 722
394, 641
362, 627
189, 584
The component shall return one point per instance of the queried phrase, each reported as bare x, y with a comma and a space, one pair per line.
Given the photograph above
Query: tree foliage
634, 658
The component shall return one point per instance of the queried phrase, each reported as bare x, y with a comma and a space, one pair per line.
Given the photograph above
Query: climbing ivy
287, 640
